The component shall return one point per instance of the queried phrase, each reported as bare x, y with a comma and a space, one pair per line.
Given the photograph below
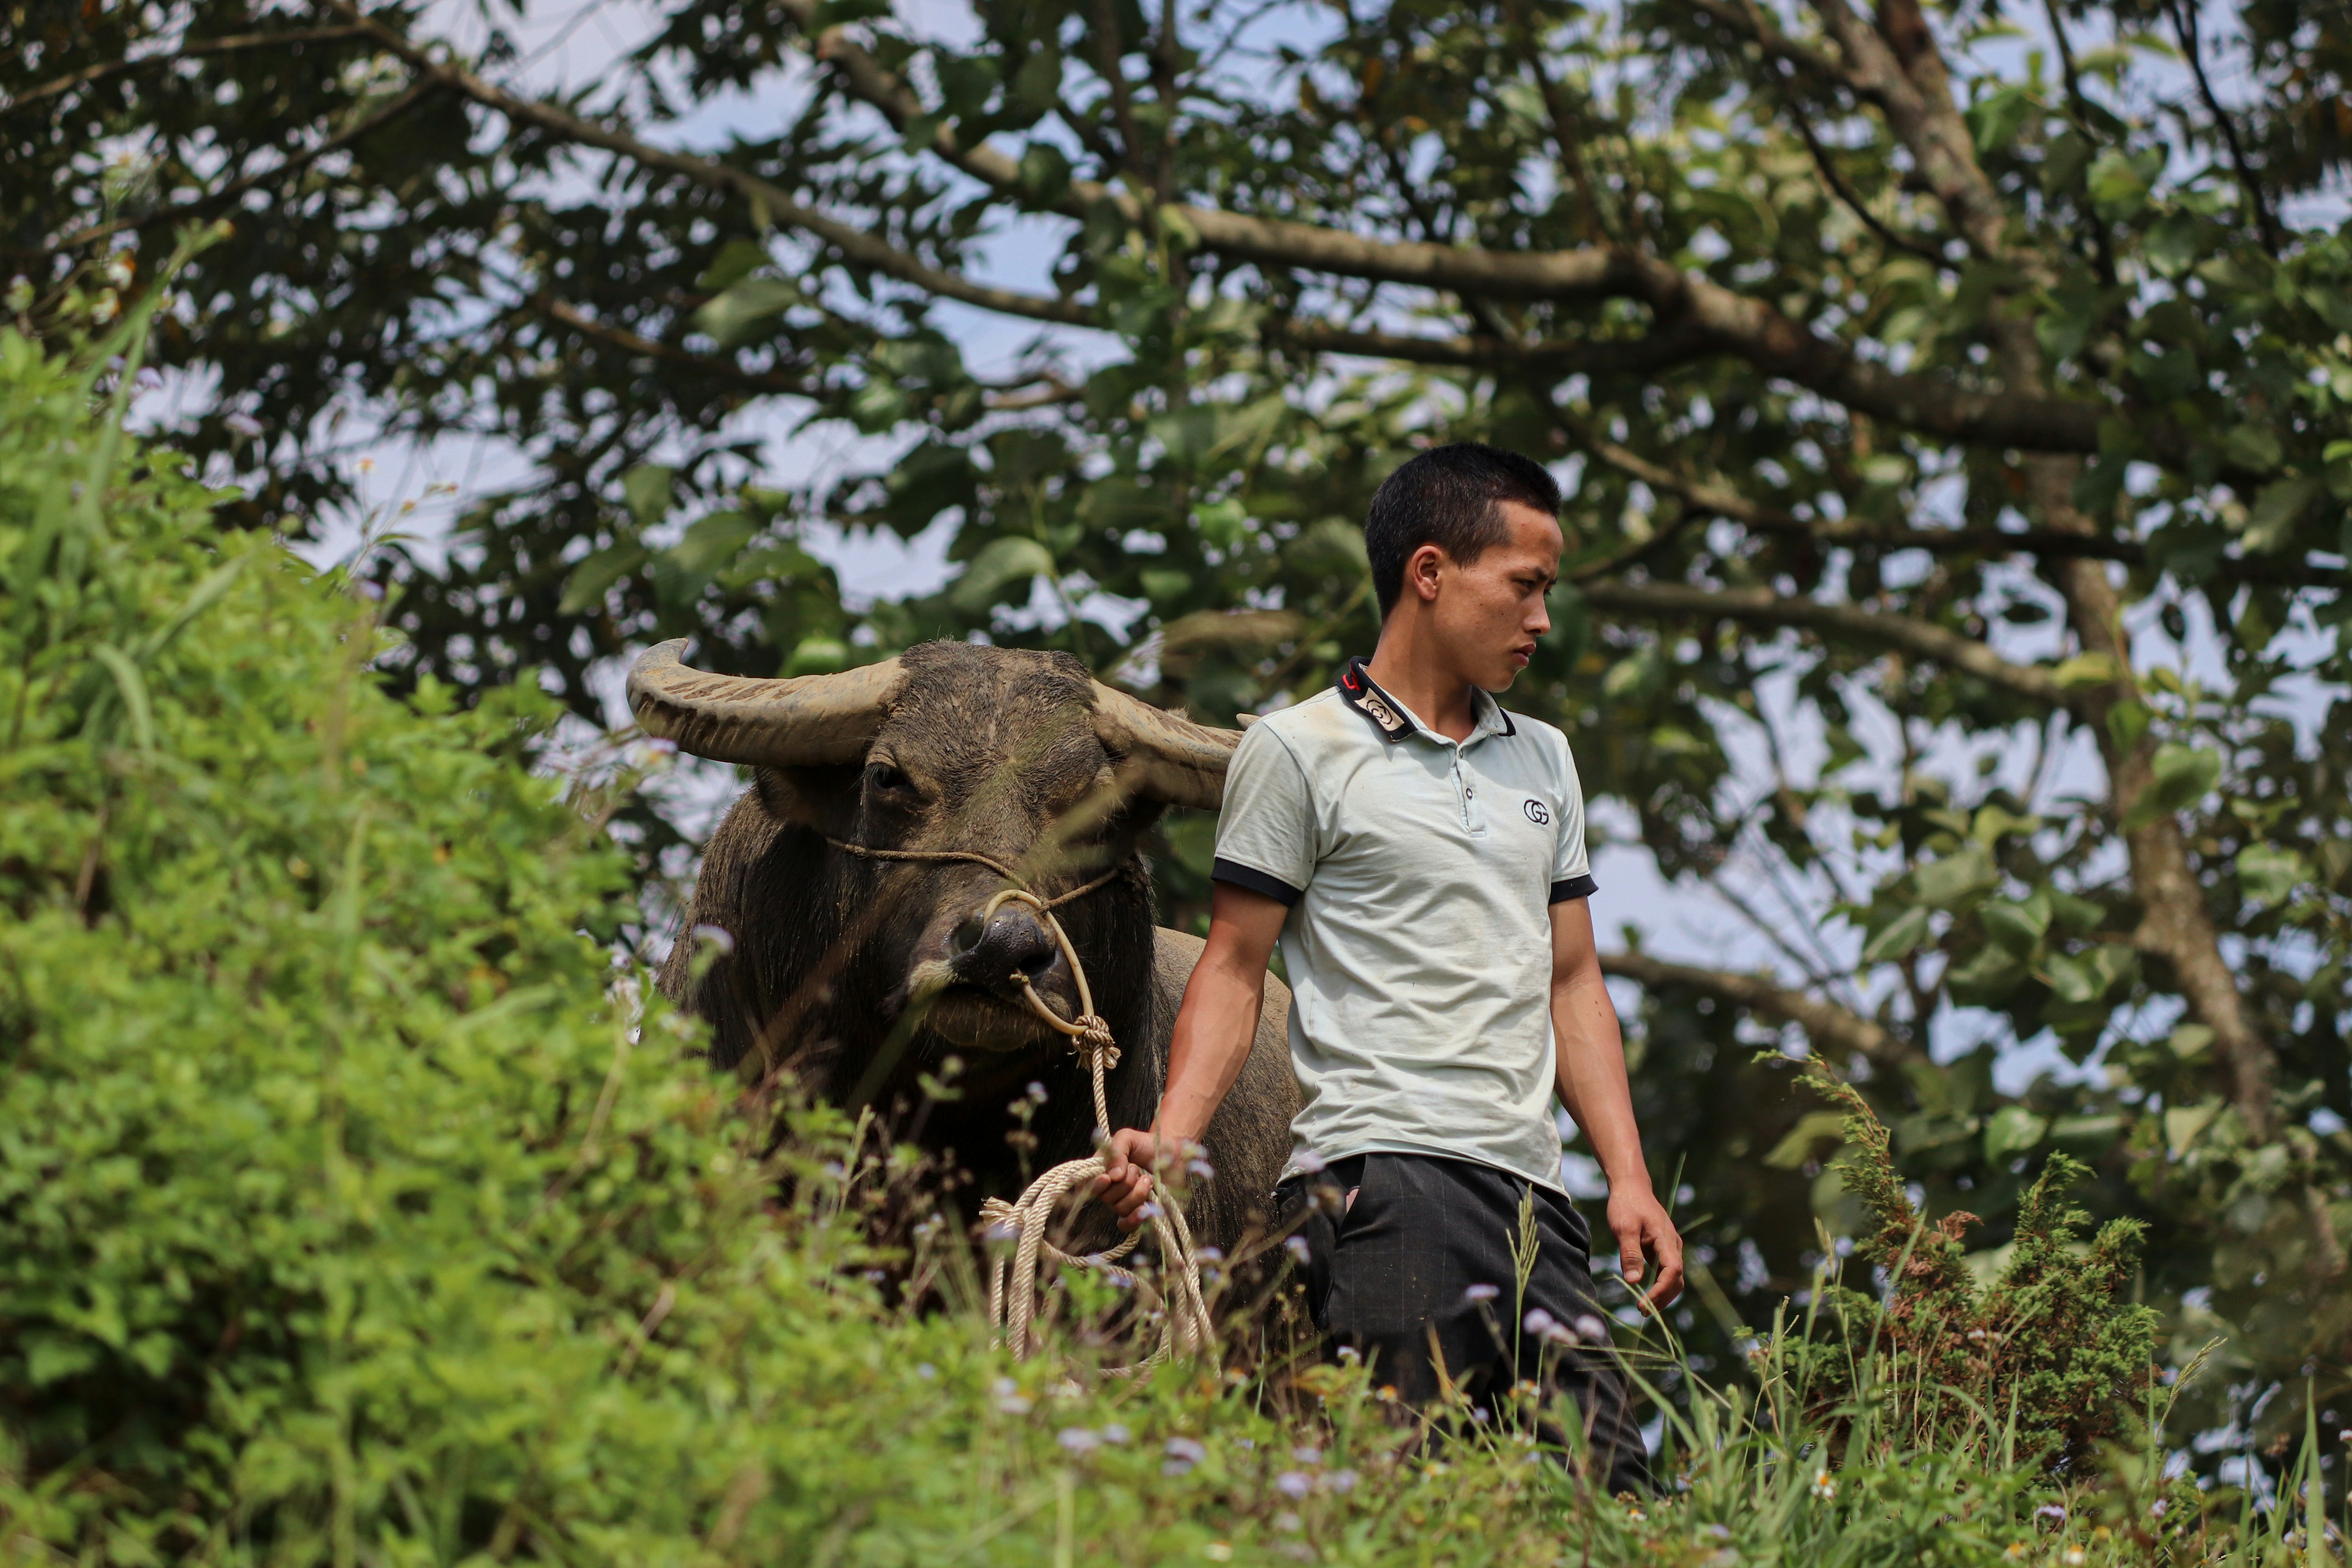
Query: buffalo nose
1009, 943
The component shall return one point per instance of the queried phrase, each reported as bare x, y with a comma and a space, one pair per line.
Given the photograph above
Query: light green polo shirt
1420, 874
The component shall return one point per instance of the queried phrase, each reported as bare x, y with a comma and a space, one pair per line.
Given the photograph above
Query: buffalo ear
823, 798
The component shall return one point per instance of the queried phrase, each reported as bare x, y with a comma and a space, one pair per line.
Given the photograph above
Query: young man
1420, 854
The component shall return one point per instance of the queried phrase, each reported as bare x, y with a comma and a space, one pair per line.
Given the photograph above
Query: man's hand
1134, 1154
1641, 1225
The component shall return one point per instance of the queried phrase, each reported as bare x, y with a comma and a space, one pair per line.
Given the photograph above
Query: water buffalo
864, 972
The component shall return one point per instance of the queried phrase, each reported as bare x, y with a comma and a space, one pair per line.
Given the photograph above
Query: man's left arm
1592, 1067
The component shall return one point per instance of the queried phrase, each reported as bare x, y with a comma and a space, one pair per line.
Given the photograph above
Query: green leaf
737, 260
1044, 173
2254, 447
1994, 123
1957, 879
2272, 519
647, 490
2181, 776
1986, 978
590, 579
1898, 938
2173, 245
1804, 1141
733, 315
2016, 926
2267, 873
2013, 1130
2120, 182
818, 656
2084, 669
711, 542
1004, 563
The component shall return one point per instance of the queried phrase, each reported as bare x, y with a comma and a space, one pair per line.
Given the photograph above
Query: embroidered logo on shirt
1537, 811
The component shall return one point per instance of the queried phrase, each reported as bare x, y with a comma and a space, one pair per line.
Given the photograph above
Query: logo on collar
1357, 690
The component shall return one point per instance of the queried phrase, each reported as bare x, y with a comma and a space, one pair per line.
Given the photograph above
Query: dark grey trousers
1393, 1270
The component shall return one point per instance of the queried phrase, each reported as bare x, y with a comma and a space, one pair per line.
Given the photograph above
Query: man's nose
992, 950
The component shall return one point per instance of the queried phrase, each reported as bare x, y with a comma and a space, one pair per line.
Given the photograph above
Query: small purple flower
1294, 1484
1210, 1254
1343, 1482
1174, 1467
2056, 1511
1538, 1322
1593, 1330
1115, 1433
1288, 1523
1480, 1293
1078, 1440
1003, 1230
1037, 1093
926, 1371
1184, 1448
1296, 1247
1201, 1169
244, 425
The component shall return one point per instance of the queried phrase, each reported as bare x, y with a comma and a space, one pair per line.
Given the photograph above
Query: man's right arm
1214, 1030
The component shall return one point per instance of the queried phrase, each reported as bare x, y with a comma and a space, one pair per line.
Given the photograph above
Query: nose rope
1185, 1327
976, 858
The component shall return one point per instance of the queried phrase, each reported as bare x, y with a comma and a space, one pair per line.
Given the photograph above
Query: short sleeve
1571, 870
1265, 833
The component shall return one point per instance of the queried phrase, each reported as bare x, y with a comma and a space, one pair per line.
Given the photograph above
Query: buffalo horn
806, 721
1170, 759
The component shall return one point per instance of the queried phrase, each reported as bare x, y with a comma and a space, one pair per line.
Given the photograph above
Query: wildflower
1824, 1488
926, 1371
1635, 1512
1387, 1395
1012, 1404
1296, 1247
1720, 1531
2051, 1510
1351, 1355
244, 425
2160, 1508
1151, 1211
1115, 1433
1306, 1454
1538, 1322
2076, 1557
1307, 1164
1525, 1389
1037, 1093
1184, 1448
832, 1171
1078, 1440
1480, 1293
1210, 1254
1433, 1469
1287, 1522
1217, 1552
2016, 1549
1244, 1442
1342, 1482
1592, 1329
1294, 1484
1003, 1230
1200, 1169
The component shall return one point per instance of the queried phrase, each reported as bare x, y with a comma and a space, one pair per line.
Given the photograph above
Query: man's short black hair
1451, 496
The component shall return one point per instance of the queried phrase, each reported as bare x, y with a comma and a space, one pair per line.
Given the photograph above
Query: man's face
1489, 613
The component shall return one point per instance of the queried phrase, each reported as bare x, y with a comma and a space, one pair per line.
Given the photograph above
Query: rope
1000, 869
1185, 1329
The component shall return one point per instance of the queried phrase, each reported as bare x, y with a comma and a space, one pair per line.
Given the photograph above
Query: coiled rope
1185, 1327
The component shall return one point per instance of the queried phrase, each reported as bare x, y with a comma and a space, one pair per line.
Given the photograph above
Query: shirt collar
1394, 720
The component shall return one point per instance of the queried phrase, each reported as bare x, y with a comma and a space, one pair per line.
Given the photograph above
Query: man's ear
825, 799
1423, 569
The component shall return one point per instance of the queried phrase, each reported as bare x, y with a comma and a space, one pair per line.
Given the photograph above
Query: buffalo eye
887, 779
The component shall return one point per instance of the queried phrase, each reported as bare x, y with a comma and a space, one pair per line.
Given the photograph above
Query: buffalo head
853, 939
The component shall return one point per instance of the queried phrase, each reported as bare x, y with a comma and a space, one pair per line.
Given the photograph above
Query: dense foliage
353, 1212
1954, 396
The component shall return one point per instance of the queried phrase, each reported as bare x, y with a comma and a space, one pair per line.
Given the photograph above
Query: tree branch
105, 69
1830, 1027
1748, 20
632, 343
180, 212
1763, 606
2184, 27
862, 249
